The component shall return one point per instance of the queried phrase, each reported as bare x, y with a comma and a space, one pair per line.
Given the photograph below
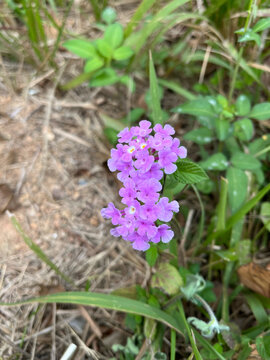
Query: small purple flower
139, 242
145, 227
149, 212
125, 135
128, 192
179, 151
166, 209
111, 212
148, 191
164, 233
144, 161
166, 131
166, 160
143, 130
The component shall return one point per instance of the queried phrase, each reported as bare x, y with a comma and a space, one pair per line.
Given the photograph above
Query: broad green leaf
197, 107
151, 255
243, 251
215, 162
106, 301
200, 136
93, 64
111, 135
122, 53
154, 93
108, 15
222, 127
167, 278
227, 255
237, 187
250, 35
259, 145
257, 308
261, 111
104, 77
243, 129
261, 25
263, 346
189, 173
232, 145
242, 105
83, 48
114, 35
206, 186
105, 48
245, 161
265, 214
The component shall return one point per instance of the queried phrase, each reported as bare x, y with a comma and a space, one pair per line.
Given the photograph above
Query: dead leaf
6, 196
256, 278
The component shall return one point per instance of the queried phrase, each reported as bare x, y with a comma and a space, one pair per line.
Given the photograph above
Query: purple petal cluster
142, 157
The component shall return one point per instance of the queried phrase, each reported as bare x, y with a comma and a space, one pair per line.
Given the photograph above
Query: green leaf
108, 15
206, 186
123, 53
151, 255
197, 107
263, 346
222, 128
243, 129
242, 105
199, 136
106, 301
261, 111
177, 89
227, 255
104, 77
237, 187
189, 173
245, 161
265, 214
261, 25
141, 10
215, 162
259, 145
104, 48
154, 93
250, 35
111, 135
83, 48
114, 35
167, 278
93, 64
243, 251
257, 308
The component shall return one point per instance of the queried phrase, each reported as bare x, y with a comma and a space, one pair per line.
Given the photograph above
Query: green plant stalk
173, 344
236, 69
238, 215
202, 219
155, 98
37, 250
191, 339
265, 150
221, 217
96, 9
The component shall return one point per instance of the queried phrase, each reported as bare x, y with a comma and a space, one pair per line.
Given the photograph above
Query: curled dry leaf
256, 278
7, 198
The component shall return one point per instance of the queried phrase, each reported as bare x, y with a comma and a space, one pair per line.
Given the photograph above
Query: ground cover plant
140, 182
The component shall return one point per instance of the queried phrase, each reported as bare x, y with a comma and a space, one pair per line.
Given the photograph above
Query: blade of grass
154, 91
141, 10
177, 89
106, 301
202, 219
207, 345
186, 324
173, 344
37, 250
257, 308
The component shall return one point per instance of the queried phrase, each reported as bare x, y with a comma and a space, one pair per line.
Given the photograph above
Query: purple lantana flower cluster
142, 157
